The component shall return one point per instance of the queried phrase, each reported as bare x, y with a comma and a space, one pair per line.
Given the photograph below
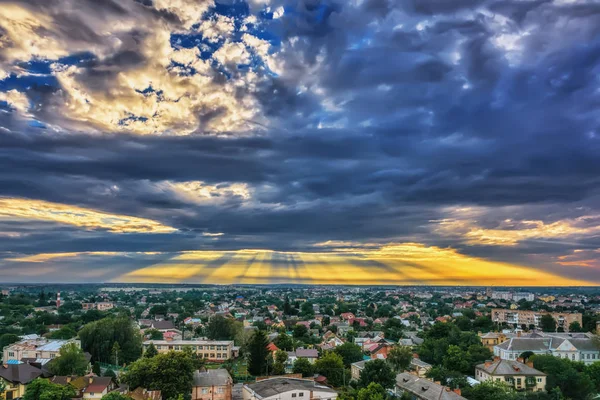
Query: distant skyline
401, 142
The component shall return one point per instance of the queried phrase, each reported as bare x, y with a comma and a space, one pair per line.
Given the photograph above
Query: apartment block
525, 317
212, 350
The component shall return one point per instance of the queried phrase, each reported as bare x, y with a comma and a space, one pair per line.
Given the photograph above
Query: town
201, 342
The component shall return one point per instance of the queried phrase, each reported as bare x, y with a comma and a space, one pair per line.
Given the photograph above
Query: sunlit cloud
26, 209
466, 223
402, 264
45, 257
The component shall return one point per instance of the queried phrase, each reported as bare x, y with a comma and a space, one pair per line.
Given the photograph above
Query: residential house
16, 377
514, 373
212, 384
357, 368
419, 388
310, 354
281, 388
419, 367
87, 387
527, 318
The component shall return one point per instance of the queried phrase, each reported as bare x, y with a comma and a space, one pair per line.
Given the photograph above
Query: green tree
456, 359
304, 367
349, 352
115, 396
489, 390
378, 371
372, 392
393, 329
99, 337
400, 357
66, 332
281, 356
71, 361
7, 339
154, 334
284, 342
566, 375
464, 323
41, 389
172, 373
300, 331
574, 327
278, 368
258, 353
221, 328
548, 323
331, 365
150, 351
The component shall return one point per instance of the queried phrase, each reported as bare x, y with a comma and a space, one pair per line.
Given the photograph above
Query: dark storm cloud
430, 104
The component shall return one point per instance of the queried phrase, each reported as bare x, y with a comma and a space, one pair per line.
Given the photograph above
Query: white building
281, 388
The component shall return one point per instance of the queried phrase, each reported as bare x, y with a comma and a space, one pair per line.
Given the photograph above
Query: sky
409, 142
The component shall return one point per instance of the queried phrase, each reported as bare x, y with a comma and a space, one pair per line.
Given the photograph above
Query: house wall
517, 381
212, 392
293, 395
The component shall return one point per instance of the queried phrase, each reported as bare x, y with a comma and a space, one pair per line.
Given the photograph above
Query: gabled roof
425, 389
19, 373
509, 367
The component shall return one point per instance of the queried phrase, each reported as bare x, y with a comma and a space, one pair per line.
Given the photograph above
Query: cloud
26, 209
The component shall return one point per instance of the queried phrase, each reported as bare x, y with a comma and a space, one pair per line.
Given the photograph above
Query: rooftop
274, 386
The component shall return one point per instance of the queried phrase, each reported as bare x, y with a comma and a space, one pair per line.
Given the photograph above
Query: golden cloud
88, 219
465, 222
398, 264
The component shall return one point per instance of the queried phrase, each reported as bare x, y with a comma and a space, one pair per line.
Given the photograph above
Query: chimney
457, 391
530, 364
496, 358
415, 355
518, 333
488, 363
437, 382
520, 359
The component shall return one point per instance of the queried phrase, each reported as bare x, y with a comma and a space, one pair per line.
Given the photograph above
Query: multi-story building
282, 388
574, 346
212, 350
514, 373
523, 296
527, 318
101, 306
213, 384
35, 348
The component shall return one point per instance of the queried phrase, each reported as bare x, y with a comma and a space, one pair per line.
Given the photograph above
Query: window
301, 394
293, 394
519, 381
11, 353
573, 356
220, 390
204, 390
539, 380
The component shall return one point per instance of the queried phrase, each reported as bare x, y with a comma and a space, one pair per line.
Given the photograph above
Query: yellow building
16, 377
514, 373
211, 350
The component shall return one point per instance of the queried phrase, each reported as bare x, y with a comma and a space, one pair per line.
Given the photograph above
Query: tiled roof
509, 367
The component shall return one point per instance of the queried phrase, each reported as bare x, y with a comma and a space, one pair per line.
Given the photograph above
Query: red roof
272, 347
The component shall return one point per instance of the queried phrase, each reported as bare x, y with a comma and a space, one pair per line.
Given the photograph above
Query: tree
489, 390
258, 353
331, 365
349, 352
566, 375
111, 374
115, 396
372, 392
116, 350
66, 332
150, 351
393, 329
41, 389
574, 327
99, 338
456, 359
377, 371
7, 339
300, 332
172, 373
71, 361
221, 328
463, 323
154, 334
281, 356
278, 368
400, 357
548, 323
284, 342
304, 367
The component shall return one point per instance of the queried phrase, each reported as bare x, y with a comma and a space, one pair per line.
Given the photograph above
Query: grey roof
274, 386
419, 363
360, 364
547, 343
19, 373
212, 377
425, 389
509, 367
307, 353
